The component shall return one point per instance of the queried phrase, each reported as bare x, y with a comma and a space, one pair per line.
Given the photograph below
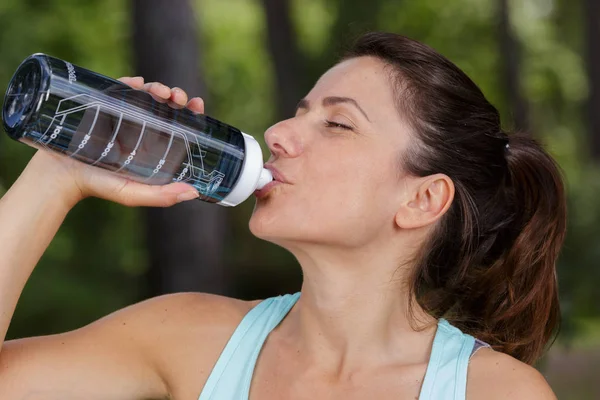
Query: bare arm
114, 358
30, 214
162, 348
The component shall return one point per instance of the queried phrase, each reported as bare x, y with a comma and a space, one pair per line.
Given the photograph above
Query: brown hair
489, 266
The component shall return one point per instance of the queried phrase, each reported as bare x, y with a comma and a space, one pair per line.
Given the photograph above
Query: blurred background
538, 61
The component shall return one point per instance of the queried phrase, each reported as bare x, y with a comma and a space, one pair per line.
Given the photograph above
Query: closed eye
331, 124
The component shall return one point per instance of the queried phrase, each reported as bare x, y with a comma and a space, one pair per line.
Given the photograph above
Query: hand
80, 180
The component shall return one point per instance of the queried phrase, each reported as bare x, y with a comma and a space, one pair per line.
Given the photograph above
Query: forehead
366, 80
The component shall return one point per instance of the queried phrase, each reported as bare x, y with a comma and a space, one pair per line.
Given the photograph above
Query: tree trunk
297, 72
592, 12
285, 56
186, 241
511, 57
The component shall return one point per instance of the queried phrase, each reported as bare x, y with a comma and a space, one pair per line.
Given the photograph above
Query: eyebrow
333, 100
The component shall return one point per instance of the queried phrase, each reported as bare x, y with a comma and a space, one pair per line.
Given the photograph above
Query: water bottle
54, 105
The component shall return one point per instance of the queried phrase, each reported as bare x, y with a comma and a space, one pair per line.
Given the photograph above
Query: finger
174, 105
158, 90
134, 194
196, 105
136, 82
179, 97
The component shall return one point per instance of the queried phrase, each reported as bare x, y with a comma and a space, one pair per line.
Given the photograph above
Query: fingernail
185, 196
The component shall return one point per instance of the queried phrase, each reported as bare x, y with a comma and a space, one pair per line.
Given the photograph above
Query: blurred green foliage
97, 261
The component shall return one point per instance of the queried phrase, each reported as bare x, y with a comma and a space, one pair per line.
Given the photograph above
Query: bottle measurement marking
163, 159
207, 181
134, 113
134, 151
88, 136
57, 129
111, 143
72, 74
183, 173
130, 112
55, 132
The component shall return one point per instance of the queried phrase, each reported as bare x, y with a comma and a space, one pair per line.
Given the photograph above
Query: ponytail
524, 315
499, 285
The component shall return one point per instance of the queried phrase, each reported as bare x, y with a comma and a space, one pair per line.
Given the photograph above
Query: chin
274, 224
265, 223
285, 223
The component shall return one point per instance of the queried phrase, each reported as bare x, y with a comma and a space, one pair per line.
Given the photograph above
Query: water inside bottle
155, 148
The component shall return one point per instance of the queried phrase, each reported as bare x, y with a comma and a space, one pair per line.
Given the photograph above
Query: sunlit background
538, 61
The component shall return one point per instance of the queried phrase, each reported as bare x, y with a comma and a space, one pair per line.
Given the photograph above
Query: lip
277, 176
266, 189
278, 179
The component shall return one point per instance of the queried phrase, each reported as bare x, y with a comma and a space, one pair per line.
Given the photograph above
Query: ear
427, 201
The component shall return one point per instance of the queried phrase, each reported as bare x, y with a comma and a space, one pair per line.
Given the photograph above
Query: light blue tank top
445, 378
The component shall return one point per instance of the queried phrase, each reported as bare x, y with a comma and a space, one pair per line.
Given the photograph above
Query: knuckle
123, 194
174, 104
180, 92
168, 201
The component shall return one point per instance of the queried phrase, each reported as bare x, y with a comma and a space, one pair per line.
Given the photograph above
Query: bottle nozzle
253, 175
265, 177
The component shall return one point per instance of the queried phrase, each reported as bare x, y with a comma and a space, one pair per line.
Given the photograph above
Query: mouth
277, 175
261, 193
278, 180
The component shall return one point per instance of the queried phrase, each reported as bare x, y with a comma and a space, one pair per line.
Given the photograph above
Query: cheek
348, 191
358, 180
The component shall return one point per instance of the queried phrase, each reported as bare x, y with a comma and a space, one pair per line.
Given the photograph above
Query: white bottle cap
252, 177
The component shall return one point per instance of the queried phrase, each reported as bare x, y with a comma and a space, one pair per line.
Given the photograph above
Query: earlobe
429, 201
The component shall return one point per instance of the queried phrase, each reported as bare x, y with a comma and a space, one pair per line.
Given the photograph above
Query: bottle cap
253, 176
24, 94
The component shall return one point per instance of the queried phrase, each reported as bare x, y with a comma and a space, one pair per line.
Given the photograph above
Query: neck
355, 310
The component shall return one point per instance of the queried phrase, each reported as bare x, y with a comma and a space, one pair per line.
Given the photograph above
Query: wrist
51, 182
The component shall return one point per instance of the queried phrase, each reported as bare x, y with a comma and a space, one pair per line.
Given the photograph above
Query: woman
419, 225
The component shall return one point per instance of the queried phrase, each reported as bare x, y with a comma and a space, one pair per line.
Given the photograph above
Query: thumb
134, 194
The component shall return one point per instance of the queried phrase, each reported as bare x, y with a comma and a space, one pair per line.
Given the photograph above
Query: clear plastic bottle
54, 105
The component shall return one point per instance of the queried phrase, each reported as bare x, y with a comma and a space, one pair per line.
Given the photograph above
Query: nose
283, 140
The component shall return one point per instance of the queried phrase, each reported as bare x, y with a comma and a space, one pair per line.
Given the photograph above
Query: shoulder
188, 309
494, 376
182, 334
159, 327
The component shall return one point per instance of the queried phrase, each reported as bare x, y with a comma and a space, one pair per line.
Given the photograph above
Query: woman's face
340, 154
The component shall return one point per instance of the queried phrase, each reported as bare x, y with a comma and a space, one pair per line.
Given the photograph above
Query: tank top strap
446, 376
231, 376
